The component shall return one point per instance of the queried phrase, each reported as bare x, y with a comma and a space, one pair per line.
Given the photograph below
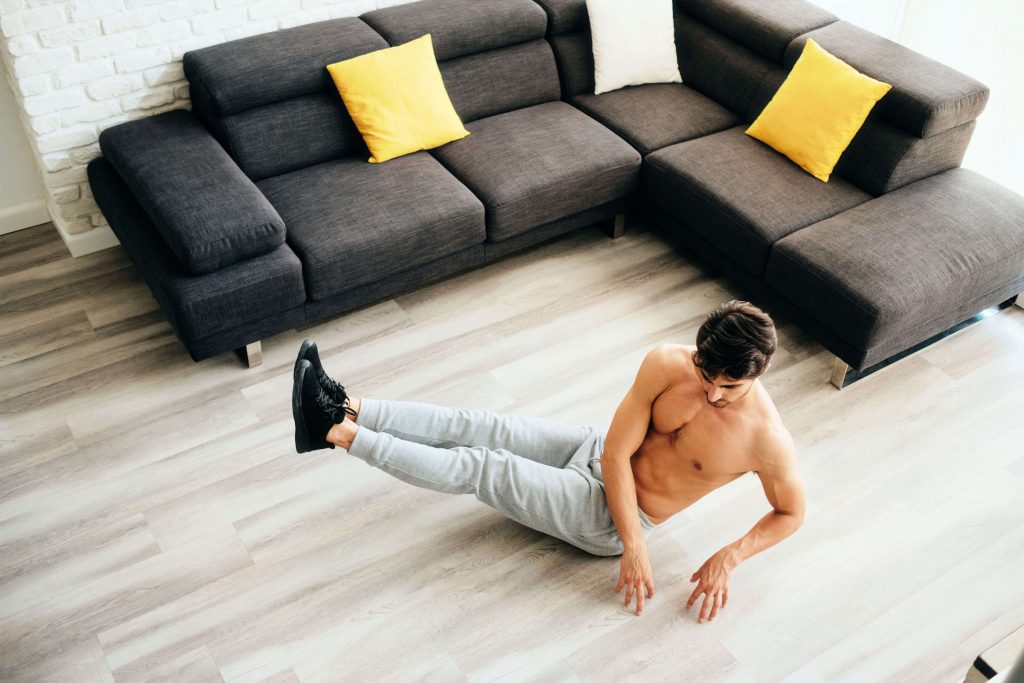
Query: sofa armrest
927, 97
208, 211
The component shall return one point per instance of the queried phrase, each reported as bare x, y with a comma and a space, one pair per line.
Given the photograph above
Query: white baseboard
82, 243
22, 216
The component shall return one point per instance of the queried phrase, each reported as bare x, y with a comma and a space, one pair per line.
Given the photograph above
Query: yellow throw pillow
397, 99
817, 110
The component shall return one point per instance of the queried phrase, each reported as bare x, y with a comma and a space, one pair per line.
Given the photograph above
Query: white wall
21, 192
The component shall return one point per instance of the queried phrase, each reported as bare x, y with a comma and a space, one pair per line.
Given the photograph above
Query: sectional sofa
257, 212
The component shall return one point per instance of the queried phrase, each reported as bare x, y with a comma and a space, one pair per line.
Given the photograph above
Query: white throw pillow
634, 43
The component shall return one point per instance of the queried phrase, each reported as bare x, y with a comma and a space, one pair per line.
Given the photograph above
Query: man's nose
714, 394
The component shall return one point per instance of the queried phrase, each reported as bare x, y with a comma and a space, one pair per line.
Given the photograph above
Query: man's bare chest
697, 443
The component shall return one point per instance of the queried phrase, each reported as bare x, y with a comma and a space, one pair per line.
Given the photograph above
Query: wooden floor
157, 524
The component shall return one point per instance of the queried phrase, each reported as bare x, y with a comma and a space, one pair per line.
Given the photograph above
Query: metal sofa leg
614, 227
839, 370
252, 354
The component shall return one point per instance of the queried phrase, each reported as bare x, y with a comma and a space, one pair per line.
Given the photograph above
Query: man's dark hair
737, 339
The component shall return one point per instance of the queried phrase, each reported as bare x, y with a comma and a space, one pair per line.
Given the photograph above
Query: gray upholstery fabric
927, 97
447, 266
898, 264
764, 27
292, 134
724, 70
740, 194
457, 27
208, 212
270, 100
565, 16
656, 115
539, 164
199, 306
883, 157
574, 54
496, 81
249, 72
353, 222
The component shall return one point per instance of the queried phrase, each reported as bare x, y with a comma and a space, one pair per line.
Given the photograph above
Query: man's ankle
343, 433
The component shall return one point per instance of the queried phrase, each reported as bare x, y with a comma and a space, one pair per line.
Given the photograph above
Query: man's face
721, 391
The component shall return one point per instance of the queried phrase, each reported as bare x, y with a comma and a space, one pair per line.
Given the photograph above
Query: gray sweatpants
542, 473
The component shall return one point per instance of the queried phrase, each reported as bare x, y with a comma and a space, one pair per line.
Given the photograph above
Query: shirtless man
695, 418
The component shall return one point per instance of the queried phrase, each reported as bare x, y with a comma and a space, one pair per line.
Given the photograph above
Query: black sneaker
313, 411
336, 391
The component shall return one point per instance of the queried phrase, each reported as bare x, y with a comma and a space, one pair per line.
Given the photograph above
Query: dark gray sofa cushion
198, 306
927, 97
500, 80
535, 165
270, 100
457, 27
565, 16
764, 27
291, 134
352, 222
894, 267
725, 70
656, 115
491, 53
209, 213
270, 67
739, 194
882, 157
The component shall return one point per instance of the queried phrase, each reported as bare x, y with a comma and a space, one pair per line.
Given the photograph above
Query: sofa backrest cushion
269, 99
767, 28
492, 53
887, 152
565, 16
710, 62
724, 70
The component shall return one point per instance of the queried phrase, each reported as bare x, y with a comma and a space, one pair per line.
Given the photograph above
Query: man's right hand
635, 575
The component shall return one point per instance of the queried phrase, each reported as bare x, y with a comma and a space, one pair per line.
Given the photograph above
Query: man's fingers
725, 596
629, 594
650, 588
639, 600
706, 606
693, 596
714, 607
619, 585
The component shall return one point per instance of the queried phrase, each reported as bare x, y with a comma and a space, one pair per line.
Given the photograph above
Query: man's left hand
713, 578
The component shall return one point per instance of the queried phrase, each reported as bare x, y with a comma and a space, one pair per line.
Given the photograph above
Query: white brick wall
79, 66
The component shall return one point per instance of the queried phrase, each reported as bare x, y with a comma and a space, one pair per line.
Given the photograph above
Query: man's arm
625, 435
784, 490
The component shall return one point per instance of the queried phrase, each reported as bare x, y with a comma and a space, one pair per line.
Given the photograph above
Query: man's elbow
796, 518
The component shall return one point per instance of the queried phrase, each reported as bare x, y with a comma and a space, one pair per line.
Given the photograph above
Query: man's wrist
732, 555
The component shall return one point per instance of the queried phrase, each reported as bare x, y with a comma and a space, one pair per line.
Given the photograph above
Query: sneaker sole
301, 435
306, 345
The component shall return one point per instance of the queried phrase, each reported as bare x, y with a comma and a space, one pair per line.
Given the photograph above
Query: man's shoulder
775, 445
674, 355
